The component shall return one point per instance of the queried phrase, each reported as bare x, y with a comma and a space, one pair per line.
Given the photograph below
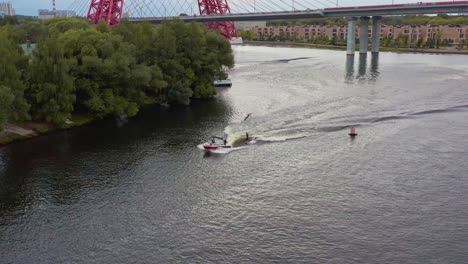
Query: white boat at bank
222, 83
236, 41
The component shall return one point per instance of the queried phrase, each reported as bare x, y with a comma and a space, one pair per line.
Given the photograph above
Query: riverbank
334, 47
12, 133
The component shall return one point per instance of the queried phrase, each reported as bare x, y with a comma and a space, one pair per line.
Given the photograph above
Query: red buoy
353, 132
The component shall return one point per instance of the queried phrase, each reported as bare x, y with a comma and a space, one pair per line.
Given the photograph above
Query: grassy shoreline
333, 47
31, 129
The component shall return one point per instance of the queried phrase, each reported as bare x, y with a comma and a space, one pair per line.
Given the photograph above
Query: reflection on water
374, 69
363, 73
62, 153
349, 68
362, 66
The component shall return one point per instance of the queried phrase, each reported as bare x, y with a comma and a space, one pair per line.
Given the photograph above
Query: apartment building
456, 33
48, 14
6, 9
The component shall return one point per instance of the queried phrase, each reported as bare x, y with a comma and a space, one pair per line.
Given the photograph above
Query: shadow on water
362, 66
374, 68
362, 74
349, 68
65, 161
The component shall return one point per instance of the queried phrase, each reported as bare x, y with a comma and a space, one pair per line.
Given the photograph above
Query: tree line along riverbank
80, 72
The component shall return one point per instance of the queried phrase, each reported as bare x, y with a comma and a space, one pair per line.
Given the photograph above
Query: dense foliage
13, 78
80, 68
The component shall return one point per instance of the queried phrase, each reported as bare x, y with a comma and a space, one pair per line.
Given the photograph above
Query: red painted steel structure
109, 11
218, 7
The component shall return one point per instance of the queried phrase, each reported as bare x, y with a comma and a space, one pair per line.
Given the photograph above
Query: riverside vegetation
82, 70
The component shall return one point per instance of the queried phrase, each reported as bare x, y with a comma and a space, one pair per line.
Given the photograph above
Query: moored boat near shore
236, 41
222, 83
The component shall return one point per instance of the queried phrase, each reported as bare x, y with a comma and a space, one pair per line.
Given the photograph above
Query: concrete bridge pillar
351, 41
376, 33
364, 35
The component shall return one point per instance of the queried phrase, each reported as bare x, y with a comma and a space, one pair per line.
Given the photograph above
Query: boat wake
298, 122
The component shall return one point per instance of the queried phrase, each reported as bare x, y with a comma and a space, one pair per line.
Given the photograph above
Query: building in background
28, 48
248, 25
48, 14
409, 34
6, 9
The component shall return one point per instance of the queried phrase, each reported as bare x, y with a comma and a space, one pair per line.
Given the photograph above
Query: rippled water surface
142, 192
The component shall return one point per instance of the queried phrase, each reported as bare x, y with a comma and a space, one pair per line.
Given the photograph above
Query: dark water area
143, 192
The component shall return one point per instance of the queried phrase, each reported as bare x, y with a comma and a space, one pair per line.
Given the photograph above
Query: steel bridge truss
218, 7
108, 11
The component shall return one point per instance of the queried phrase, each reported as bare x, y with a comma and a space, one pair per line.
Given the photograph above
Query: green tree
6, 101
52, 89
404, 39
8, 20
108, 78
164, 52
143, 36
247, 34
57, 26
33, 31
461, 44
218, 54
13, 69
438, 39
419, 44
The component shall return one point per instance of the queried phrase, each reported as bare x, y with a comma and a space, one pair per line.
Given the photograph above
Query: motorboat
236, 41
216, 143
222, 83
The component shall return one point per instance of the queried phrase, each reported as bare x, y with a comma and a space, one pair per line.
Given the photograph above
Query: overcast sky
30, 7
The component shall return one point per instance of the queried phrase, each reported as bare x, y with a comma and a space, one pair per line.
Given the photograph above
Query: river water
143, 192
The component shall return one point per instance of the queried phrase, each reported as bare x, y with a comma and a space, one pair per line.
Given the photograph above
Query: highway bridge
353, 11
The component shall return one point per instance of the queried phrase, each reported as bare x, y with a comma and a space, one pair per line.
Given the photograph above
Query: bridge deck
385, 10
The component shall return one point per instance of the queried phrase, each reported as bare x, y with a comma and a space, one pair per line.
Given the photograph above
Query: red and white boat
216, 143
